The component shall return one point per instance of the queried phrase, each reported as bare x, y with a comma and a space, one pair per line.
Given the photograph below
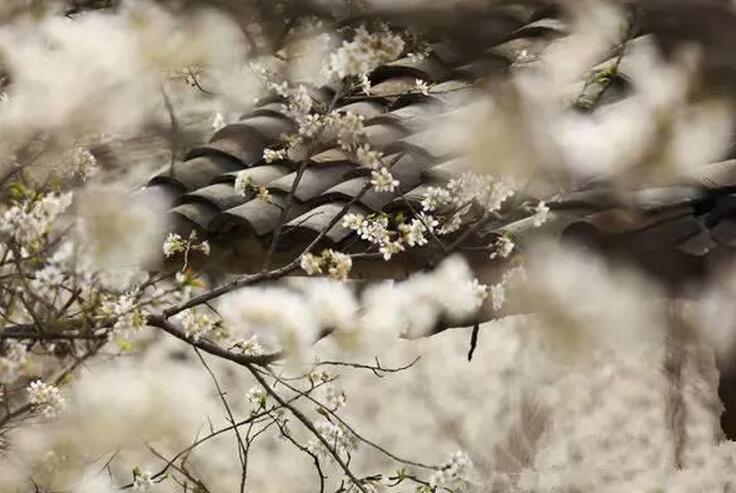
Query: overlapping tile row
398, 121
681, 234
677, 233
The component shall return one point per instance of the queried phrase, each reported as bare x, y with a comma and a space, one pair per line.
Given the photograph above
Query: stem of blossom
290, 196
351, 430
73, 366
284, 214
424, 223
308, 424
200, 441
231, 418
241, 359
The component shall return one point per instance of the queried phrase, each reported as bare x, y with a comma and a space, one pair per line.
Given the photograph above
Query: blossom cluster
46, 398
27, 221
366, 51
341, 441
337, 264
453, 474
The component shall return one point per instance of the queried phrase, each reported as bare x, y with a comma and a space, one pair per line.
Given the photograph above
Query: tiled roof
676, 232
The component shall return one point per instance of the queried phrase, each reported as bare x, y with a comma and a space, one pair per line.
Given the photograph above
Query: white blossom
502, 247
299, 103
263, 194
488, 191
333, 303
368, 157
243, 182
173, 244
340, 440
48, 279
365, 52
335, 397
414, 233
480, 291
383, 181
435, 198
46, 398
390, 248
498, 295
142, 481
218, 122
311, 264
452, 474
421, 87
84, 163
273, 155
365, 84
249, 346
197, 323
349, 128
256, 396
311, 125
541, 214
451, 224
338, 264
128, 318
25, 223
271, 312
352, 221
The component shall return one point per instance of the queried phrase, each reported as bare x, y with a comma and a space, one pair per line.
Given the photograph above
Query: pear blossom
383, 181
46, 398
366, 51
421, 87
273, 155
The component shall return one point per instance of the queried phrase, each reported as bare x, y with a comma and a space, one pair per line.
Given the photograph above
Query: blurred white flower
128, 318
243, 182
368, 157
501, 248
120, 232
84, 163
349, 128
414, 306
452, 474
480, 291
249, 346
271, 313
541, 213
25, 223
271, 155
340, 440
197, 323
333, 303
173, 244
365, 52
142, 481
256, 396
421, 87
14, 358
335, 397
218, 122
